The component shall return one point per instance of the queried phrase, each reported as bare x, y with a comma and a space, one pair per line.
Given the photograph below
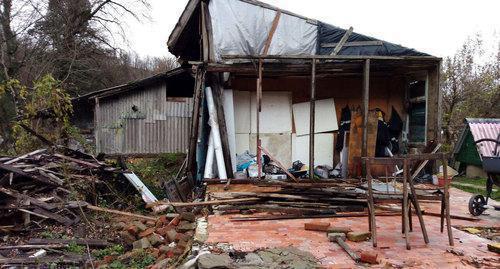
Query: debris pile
38, 186
168, 239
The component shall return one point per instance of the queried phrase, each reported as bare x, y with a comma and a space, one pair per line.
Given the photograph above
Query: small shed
467, 154
143, 117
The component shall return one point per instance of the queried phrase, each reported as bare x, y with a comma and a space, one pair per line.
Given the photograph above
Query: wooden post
204, 32
218, 92
259, 95
418, 210
195, 122
406, 225
371, 205
447, 200
97, 126
366, 99
312, 114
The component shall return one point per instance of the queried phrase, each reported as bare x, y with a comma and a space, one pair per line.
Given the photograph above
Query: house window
417, 111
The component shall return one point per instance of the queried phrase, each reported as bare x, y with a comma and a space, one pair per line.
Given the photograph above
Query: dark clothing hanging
345, 125
395, 129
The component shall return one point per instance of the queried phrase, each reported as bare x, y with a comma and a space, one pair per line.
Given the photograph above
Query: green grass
475, 186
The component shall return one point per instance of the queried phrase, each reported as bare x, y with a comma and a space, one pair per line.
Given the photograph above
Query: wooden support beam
195, 123
279, 164
331, 57
342, 42
354, 44
259, 100
371, 206
218, 93
406, 224
270, 35
447, 201
204, 33
365, 102
312, 115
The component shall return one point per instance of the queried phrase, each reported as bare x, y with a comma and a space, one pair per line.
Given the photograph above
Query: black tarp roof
331, 34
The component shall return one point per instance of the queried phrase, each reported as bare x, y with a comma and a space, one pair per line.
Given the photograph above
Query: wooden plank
42, 260
406, 224
279, 164
90, 242
331, 57
122, 213
342, 41
270, 35
218, 92
21, 173
195, 123
27, 155
355, 256
371, 206
88, 164
312, 117
204, 33
353, 44
207, 203
447, 201
326, 216
183, 20
365, 102
36, 246
33, 201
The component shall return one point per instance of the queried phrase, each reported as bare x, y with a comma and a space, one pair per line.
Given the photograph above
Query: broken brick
163, 231
127, 237
339, 230
188, 216
155, 252
162, 221
186, 226
150, 223
140, 225
178, 250
171, 235
494, 247
147, 232
163, 263
155, 239
317, 226
175, 221
108, 258
358, 236
369, 257
141, 244
133, 230
183, 243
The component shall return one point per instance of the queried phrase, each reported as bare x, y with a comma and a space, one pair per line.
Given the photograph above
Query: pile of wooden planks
33, 186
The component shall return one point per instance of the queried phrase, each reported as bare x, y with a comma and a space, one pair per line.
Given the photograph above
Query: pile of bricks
342, 233
166, 239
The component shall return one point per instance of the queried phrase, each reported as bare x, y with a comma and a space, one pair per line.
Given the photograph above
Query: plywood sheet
325, 117
242, 143
323, 149
279, 145
276, 114
241, 105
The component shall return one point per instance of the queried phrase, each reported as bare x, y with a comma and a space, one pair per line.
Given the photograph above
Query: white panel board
229, 116
279, 145
242, 143
325, 117
241, 102
276, 114
323, 149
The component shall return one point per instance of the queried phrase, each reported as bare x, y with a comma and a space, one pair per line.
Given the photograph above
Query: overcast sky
438, 27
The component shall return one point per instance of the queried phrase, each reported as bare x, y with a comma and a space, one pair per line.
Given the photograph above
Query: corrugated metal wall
156, 126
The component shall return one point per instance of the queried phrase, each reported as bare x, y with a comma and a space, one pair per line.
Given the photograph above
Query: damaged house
301, 89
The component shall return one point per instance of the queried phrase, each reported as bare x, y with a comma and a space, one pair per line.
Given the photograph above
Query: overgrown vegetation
471, 87
475, 186
152, 171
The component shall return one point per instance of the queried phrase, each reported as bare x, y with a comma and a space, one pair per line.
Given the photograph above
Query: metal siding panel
485, 128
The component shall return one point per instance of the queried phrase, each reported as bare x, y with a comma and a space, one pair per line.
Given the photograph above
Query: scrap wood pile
297, 200
37, 186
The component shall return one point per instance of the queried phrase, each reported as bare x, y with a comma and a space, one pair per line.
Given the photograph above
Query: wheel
476, 205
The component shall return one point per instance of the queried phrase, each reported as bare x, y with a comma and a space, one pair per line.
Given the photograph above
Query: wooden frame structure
412, 198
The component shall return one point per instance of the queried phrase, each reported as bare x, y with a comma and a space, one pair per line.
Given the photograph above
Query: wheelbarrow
491, 165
